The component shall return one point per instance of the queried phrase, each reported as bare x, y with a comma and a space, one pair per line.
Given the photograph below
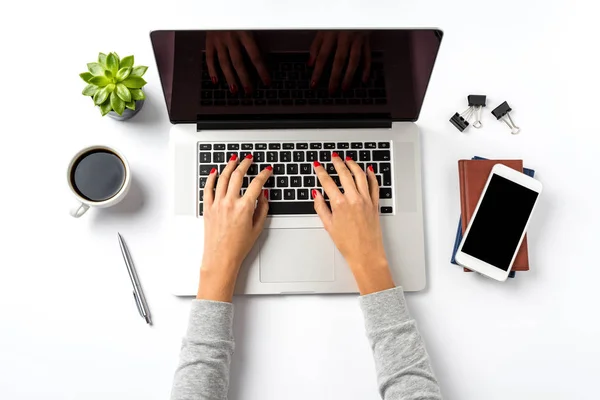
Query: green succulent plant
114, 83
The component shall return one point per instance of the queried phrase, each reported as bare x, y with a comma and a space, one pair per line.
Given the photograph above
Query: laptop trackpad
296, 255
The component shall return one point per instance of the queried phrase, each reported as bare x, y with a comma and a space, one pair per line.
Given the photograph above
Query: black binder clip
476, 103
502, 113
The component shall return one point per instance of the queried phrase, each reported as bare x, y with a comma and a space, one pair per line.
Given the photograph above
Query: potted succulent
115, 85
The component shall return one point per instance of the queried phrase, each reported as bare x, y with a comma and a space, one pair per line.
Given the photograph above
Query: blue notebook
459, 235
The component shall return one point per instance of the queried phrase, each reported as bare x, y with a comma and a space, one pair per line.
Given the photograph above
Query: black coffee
98, 175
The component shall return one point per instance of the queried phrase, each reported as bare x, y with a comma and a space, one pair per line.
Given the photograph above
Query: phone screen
500, 222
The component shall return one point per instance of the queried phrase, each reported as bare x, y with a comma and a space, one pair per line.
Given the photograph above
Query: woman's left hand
232, 223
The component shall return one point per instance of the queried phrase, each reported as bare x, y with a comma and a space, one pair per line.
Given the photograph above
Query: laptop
255, 92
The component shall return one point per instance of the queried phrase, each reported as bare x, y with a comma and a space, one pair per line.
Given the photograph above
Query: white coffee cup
85, 203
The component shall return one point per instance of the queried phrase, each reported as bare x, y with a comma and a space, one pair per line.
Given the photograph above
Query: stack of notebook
473, 175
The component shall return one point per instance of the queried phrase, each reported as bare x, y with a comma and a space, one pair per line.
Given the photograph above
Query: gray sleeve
203, 370
401, 361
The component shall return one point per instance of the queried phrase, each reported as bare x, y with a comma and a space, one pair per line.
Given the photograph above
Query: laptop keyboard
290, 86
289, 188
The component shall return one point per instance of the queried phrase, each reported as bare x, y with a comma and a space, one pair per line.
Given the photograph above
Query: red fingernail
269, 168
334, 154
249, 156
212, 171
233, 88
316, 164
214, 80
314, 193
348, 158
233, 157
371, 168
313, 84
266, 194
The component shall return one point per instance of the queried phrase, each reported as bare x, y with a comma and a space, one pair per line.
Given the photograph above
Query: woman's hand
350, 48
353, 222
232, 223
224, 48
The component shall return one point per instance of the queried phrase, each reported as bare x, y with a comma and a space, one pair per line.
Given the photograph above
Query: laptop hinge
293, 121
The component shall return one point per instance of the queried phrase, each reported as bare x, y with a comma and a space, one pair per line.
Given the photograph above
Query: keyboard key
275, 194
341, 101
243, 154
253, 170
380, 101
274, 146
206, 94
385, 167
381, 155
378, 180
329, 145
356, 145
272, 156
271, 94
374, 165
260, 102
205, 158
284, 94
364, 155
370, 145
385, 193
219, 94
270, 183
309, 181
259, 156
300, 102
360, 93
312, 156
305, 169
289, 194
247, 146
386, 210
273, 102
205, 146
387, 179
316, 145
279, 169
201, 195
247, 102
261, 146
201, 209
206, 168
311, 102
292, 208
301, 146
231, 153
310, 94
354, 102
282, 181
263, 166
292, 169
336, 179
362, 166
298, 156
384, 145
302, 194
285, 156
233, 102
367, 101
245, 182
343, 145
233, 146
297, 94
222, 168
220, 146
288, 146
296, 181
327, 102
287, 102
325, 156
352, 154
340, 154
202, 183
258, 94
330, 168
289, 85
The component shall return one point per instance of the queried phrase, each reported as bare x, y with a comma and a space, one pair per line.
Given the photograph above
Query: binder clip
476, 103
502, 114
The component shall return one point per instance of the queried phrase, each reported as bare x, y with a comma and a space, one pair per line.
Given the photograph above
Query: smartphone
497, 228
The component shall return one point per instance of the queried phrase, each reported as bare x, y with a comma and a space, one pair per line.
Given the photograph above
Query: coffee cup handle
79, 210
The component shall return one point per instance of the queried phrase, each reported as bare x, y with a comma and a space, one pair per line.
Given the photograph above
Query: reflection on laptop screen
383, 72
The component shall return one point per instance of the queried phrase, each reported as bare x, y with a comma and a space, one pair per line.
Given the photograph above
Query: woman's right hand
353, 222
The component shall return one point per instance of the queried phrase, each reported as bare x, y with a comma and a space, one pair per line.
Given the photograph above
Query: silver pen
138, 295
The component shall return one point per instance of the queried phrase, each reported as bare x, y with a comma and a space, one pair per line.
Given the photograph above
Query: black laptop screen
383, 72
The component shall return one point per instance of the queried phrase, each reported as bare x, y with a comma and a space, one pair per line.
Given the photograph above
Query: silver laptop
288, 119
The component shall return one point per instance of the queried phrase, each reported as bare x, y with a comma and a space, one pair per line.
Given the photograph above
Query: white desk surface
68, 325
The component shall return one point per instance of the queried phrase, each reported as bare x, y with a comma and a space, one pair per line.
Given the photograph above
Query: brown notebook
473, 175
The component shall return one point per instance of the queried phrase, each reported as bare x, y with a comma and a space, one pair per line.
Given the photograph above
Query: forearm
203, 370
401, 361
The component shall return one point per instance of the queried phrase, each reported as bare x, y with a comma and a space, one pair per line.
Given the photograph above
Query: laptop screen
294, 72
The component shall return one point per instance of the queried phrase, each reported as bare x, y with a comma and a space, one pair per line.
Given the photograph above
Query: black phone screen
499, 222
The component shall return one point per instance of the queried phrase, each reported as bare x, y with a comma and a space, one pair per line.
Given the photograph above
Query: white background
68, 324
